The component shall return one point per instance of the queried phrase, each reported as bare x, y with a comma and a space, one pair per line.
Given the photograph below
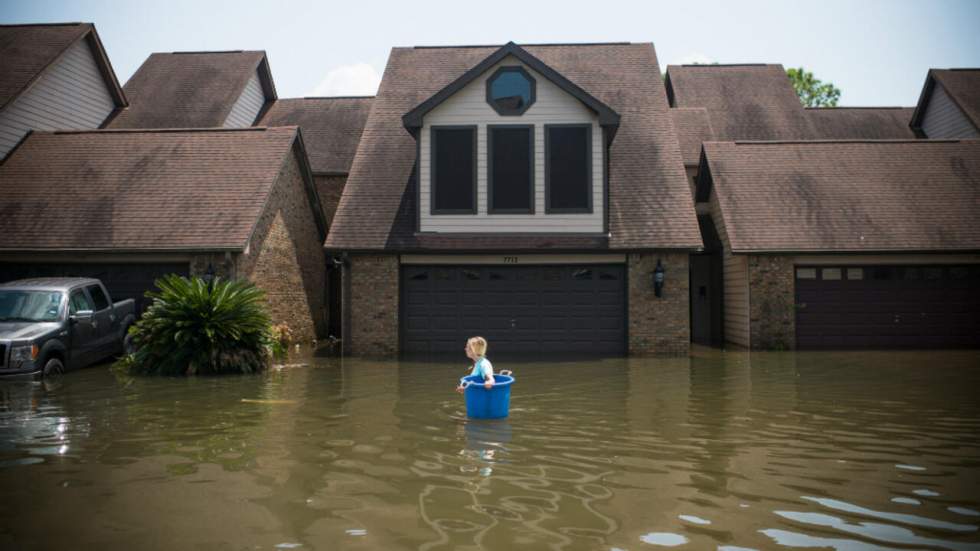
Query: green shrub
191, 329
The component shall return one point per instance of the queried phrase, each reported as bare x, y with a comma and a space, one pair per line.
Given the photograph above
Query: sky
876, 51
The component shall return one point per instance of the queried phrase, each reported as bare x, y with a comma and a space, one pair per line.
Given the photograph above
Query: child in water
476, 350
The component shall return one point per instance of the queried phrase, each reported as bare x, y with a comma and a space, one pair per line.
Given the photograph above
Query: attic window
510, 91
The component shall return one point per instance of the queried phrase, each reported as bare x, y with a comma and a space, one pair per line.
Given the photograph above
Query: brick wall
372, 305
772, 310
661, 325
286, 259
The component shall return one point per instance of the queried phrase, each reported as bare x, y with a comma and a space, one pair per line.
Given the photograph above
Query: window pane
830, 273
568, 159
806, 273
511, 168
855, 273
78, 302
101, 302
453, 169
510, 91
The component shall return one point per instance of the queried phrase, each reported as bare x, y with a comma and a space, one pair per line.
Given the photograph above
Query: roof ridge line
211, 52
333, 97
163, 130
832, 141
542, 44
63, 24
726, 64
859, 107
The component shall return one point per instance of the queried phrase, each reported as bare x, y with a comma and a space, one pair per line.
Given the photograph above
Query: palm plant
196, 328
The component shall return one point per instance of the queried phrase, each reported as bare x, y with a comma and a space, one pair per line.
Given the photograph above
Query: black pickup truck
50, 325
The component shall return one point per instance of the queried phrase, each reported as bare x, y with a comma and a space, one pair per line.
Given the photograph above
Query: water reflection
733, 450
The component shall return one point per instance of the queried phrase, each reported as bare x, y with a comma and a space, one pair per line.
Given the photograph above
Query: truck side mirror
81, 316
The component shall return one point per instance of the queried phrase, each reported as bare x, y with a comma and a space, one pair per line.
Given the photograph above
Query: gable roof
331, 128
693, 127
861, 123
649, 201
26, 51
191, 89
607, 116
846, 196
744, 102
141, 190
962, 85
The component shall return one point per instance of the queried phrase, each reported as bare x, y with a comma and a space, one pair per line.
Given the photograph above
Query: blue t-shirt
483, 368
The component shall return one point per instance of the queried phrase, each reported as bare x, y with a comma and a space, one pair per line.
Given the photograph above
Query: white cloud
694, 57
359, 79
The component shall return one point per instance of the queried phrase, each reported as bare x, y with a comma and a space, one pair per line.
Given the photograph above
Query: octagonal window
510, 91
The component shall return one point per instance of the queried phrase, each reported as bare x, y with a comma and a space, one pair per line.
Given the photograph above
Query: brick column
372, 307
659, 325
772, 303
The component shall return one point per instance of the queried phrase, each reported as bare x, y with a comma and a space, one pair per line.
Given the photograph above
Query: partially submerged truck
51, 325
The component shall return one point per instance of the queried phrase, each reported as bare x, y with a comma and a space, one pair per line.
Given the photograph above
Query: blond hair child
476, 350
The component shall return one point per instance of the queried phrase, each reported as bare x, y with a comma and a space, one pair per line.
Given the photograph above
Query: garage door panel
890, 307
520, 309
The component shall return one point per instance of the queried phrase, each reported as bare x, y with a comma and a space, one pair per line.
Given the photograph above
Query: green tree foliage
813, 92
193, 329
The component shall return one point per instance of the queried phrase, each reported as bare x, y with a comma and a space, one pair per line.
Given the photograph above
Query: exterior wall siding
772, 302
735, 274
285, 257
371, 305
659, 326
248, 105
469, 107
71, 95
943, 119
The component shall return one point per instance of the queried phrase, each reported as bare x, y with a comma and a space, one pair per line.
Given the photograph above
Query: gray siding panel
944, 120
247, 108
735, 274
71, 95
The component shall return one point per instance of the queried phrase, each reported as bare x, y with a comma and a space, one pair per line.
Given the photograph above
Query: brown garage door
888, 307
122, 280
528, 310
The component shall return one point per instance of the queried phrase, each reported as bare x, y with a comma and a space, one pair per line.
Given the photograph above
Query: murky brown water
860, 451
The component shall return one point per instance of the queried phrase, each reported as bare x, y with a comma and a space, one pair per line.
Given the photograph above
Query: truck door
104, 322
84, 335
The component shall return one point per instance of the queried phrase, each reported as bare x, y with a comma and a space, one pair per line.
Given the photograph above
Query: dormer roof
26, 52
607, 116
192, 89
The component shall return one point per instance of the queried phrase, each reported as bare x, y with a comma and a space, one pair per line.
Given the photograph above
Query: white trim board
513, 259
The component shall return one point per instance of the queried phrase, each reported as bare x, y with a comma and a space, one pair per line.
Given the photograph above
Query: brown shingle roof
744, 102
870, 196
693, 127
331, 128
962, 85
27, 50
190, 89
861, 123
139, 190
649, 202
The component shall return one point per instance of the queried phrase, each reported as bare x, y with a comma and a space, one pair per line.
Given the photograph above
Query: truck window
78, 302
98, 297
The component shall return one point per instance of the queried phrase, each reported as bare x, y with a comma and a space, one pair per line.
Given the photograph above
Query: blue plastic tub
487, 404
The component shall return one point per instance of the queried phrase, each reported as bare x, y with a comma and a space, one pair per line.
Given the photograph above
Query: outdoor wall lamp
658, 279
209, 276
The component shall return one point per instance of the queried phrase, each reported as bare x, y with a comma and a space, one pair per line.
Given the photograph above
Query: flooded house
554, 198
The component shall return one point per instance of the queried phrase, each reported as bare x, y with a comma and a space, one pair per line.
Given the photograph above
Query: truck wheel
53, 368
128, 346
